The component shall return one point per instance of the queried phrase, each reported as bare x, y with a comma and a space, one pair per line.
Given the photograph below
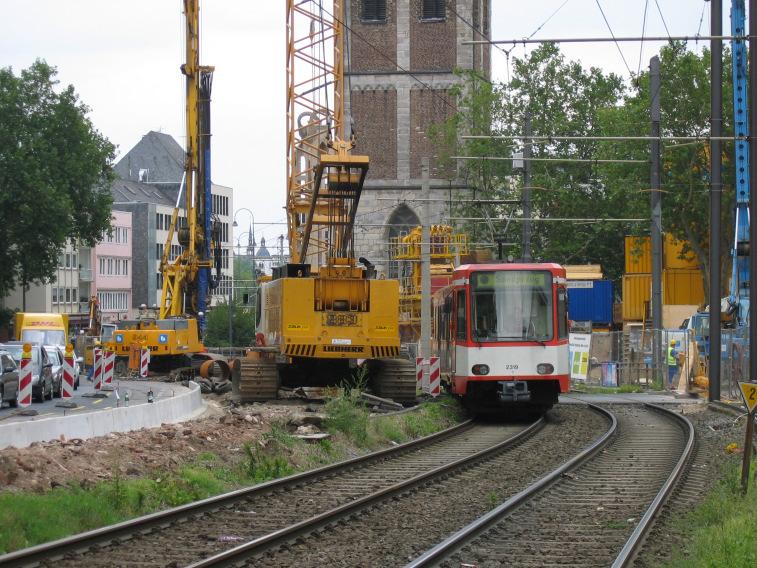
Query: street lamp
231, 291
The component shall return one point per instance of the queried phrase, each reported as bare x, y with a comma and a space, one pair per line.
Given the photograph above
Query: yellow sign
749, 390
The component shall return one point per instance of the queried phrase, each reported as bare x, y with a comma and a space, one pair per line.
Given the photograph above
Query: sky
123, 59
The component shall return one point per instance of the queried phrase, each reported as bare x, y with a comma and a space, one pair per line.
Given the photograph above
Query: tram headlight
480, 369
545, 368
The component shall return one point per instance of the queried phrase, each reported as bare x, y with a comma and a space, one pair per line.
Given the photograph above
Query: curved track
594, 511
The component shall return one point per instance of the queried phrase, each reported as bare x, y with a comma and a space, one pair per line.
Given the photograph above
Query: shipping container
637, 291
638, 255
682, 287
672, 253
590, 300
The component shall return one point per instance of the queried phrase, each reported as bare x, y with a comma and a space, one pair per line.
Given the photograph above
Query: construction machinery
445, 249
735, 306
174, 336
321, 313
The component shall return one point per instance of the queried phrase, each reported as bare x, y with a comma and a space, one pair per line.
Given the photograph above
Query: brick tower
400, 66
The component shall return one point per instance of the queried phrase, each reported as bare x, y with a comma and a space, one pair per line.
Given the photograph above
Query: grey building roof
157, 156
125, 191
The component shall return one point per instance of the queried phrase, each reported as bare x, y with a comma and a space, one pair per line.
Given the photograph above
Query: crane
738, 298
174, 337
186, 280
321, 311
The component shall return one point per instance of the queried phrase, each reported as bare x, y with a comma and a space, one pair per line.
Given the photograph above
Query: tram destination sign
510, 279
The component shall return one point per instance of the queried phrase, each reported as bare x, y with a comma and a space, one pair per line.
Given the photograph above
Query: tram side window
462, 323
562, 314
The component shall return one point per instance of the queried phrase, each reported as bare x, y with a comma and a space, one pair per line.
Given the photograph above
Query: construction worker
672, 363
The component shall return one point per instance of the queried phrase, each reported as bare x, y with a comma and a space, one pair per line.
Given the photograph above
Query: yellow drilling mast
322, 312
174, 337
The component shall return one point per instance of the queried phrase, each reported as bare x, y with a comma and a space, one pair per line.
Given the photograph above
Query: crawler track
596, 514
184, 535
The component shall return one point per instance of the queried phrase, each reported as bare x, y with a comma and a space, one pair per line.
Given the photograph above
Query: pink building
112, 268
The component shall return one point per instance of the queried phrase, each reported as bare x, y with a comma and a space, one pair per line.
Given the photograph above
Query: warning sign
749, 390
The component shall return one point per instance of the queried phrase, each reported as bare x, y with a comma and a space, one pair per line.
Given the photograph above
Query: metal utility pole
716, 129
752, 178
527, 189
656, 202
230, 306
425, 262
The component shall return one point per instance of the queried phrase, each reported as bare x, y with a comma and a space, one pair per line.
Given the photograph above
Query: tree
685, 175
562, 98
55, 173
242, 321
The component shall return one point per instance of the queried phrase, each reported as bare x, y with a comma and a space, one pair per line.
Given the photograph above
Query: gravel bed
388, 535
671, 534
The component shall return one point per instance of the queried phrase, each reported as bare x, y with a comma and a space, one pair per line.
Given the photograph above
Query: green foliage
28, 519
346, 415
685, 175
55, 175
723, 530
566, 99
260, 466
243, 326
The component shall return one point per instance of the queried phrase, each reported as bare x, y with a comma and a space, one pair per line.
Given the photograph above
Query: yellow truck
47, 329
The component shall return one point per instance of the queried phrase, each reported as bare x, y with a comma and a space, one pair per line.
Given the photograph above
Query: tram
501, 334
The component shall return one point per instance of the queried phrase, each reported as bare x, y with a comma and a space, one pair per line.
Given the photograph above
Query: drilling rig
174, 337
322, 312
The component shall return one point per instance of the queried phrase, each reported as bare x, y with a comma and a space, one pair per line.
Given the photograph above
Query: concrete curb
178, 408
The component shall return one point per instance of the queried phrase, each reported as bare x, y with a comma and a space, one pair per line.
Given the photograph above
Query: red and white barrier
144, 362
420, 374
97, 375
109, 360
68, 374
434, 377
25, 377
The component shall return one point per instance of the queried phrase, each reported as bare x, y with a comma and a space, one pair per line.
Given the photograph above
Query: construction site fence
628, 357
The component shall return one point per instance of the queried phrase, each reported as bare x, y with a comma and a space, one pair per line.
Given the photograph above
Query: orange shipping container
637, 290
638, 255
682, 287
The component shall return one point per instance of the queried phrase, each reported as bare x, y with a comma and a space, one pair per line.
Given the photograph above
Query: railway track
594, 511
181, 536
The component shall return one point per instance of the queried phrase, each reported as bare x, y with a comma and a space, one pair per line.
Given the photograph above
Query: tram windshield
511, 305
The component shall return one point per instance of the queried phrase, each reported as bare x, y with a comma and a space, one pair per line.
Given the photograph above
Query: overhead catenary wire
553, 219
604, 39
575, 160
622, 56
549, 138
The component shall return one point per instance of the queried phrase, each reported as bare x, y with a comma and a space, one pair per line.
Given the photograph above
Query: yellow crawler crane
445, 247
322, 312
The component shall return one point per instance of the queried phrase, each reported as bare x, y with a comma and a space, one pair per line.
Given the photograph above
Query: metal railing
627, 357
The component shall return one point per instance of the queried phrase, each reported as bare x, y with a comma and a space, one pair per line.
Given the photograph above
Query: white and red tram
501, 333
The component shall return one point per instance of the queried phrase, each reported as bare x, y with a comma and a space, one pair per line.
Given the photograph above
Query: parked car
56, 358
8, 379
42, 375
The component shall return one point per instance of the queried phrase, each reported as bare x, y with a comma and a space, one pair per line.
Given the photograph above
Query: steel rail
599, 39
58, 548
235, 555
634, 542
482, 523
